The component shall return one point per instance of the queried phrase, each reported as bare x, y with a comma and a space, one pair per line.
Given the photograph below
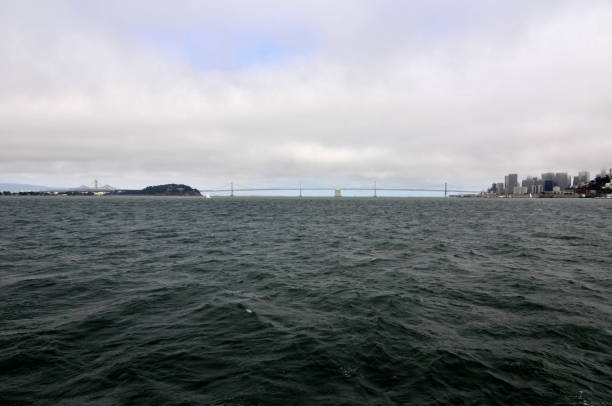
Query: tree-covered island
171, 189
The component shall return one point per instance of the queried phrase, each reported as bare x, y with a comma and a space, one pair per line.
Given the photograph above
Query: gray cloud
403, 91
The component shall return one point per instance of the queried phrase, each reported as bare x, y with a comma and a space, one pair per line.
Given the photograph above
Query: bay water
313, 301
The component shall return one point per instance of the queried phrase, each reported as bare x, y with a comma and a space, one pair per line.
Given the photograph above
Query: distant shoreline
222, 197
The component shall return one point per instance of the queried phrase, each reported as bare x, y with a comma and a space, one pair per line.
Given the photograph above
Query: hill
171, 189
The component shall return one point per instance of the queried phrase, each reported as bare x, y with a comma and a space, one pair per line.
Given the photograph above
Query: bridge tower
445, 190
231, 189
375, 189
300, 190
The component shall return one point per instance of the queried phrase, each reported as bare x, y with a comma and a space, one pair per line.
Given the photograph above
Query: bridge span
337, 190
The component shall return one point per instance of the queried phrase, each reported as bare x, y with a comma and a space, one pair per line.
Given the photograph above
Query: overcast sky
330, 92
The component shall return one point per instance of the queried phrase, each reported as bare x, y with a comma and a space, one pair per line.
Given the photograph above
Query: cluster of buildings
548, 183
83, 190
52, 193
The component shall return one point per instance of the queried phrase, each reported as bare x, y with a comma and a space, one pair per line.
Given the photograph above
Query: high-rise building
549, 185
500, 188
511, 182
530, 183
548, 176
562, 180
584, 177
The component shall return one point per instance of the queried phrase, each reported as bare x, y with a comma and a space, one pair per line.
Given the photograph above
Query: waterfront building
519, 190
548, 185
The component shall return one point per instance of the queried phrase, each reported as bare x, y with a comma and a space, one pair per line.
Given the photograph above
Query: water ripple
315, 301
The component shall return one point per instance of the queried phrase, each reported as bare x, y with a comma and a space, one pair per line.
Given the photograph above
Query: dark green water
316, 301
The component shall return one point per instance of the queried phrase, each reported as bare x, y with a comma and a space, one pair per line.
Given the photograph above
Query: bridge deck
295, 189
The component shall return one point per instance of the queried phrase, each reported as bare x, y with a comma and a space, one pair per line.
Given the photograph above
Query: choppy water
314, 301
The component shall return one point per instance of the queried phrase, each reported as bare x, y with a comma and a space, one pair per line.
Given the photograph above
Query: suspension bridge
231, 191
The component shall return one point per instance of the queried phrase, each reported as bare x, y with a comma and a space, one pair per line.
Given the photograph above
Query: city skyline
548, 182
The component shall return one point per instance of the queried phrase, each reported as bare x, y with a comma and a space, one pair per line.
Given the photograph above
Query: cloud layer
403, 92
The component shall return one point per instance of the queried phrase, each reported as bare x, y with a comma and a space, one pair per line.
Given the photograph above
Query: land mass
171, 189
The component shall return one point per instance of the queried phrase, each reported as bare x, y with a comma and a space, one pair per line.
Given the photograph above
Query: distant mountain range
22, 187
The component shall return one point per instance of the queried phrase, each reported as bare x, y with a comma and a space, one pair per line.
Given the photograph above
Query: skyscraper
530, 183
548, 176
511, 182
584, 177
562, 180
549, 185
